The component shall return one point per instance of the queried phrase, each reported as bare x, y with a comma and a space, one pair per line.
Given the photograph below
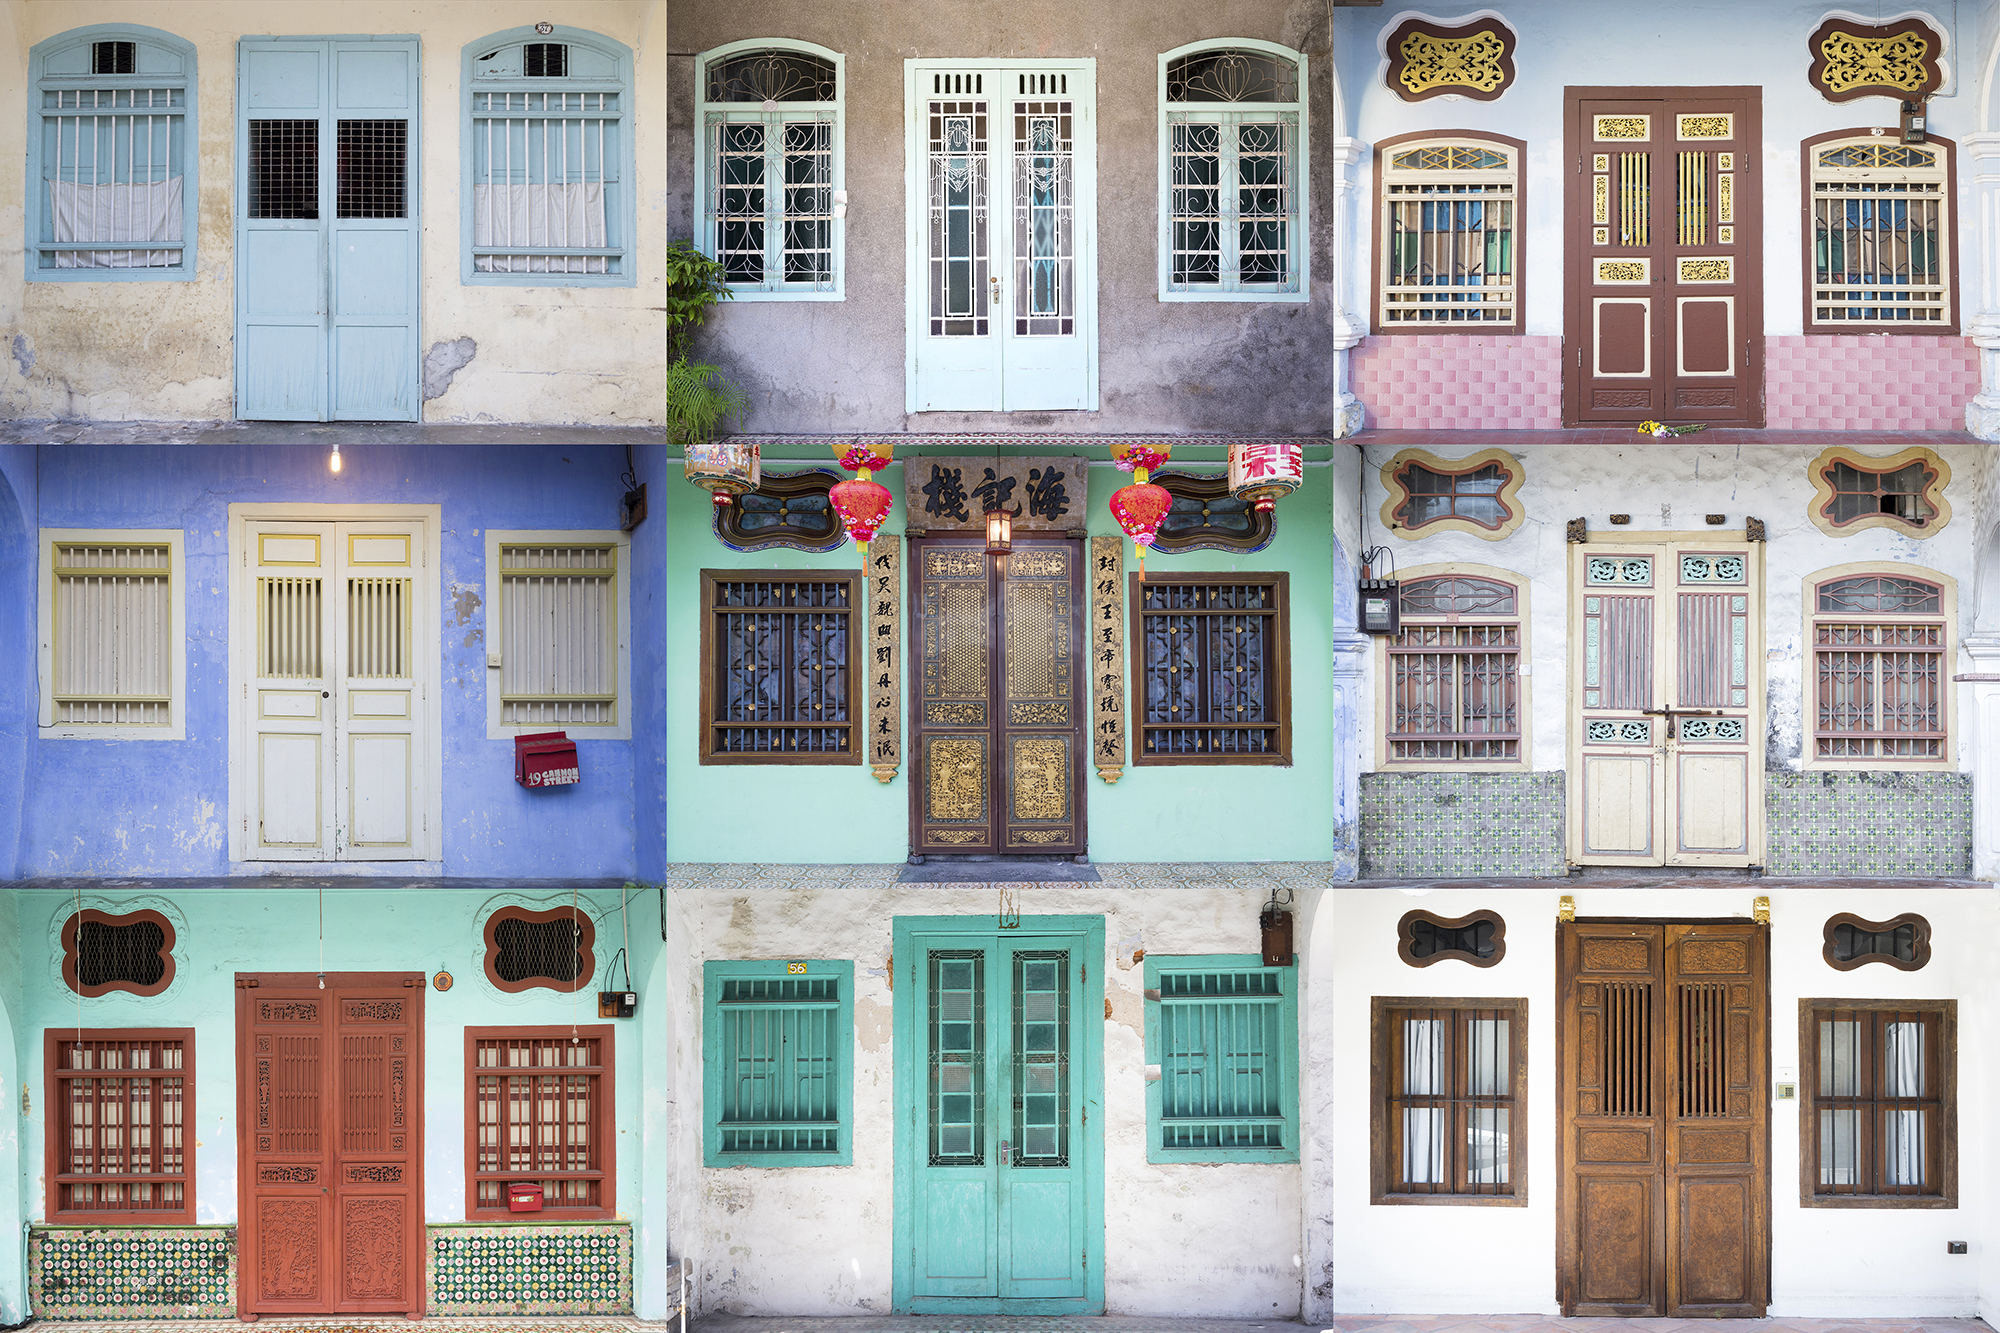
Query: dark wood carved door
330, 1144
1665, 1047
999, 705
1662, 242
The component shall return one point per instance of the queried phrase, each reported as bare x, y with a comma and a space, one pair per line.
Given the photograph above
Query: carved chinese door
1664, 290
330, 1143
999, 706
1666, 1184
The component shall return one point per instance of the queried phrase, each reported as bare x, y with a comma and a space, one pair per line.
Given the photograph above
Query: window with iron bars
1879, 1113
1450, 1080
1879, 645
109, 158
777, 1037
1455, 672
1881, 237
772, 159
112, 614
1223, 1029
1214, 662
777, 686
119, 1150
548, 161
1449, 238
539, 1100
1235, 159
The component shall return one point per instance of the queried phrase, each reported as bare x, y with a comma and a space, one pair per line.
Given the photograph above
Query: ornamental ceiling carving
1472, 59
1902, 58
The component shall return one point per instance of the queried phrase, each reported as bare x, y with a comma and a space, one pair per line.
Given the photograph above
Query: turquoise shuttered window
1223, 1032
778, 1042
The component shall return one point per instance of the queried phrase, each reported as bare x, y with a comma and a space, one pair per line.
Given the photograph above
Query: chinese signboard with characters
953, 494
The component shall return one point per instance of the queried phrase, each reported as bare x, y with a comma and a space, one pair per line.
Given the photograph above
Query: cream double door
1666, 725
334, 640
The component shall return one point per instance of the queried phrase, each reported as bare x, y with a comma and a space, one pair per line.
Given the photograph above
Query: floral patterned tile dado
530, 1270
132, 1273
1457, 825
1877, 824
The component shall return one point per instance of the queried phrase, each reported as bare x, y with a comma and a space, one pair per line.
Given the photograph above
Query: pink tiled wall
1868, 382
1459, 382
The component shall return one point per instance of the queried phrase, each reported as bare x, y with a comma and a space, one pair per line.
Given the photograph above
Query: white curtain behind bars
539, 217
148, 211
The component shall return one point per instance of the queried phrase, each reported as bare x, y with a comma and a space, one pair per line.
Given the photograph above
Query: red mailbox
545, 759
524, 1196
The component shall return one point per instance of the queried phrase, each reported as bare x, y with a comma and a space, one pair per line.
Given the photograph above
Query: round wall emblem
442, 980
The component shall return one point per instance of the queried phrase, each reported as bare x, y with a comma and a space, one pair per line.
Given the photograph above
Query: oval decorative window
104, 953
552, 950
1903, 942
1423, 938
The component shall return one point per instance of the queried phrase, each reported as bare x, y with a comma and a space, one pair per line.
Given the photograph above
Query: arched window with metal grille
1450, 206
1879, 694
1880, 236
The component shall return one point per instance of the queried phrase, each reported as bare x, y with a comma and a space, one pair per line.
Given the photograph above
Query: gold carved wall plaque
1107, 656
884, 658
1900, 59
1473, 60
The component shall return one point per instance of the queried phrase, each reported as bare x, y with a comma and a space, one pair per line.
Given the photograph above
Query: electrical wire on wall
1372, 555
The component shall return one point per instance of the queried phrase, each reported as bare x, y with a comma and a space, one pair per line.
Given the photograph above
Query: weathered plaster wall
158, 807
1378, 1259
18, 505
1240, 367
163, 350
13, 1072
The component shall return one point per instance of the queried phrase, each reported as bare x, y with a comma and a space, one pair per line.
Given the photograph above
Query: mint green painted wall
839, 813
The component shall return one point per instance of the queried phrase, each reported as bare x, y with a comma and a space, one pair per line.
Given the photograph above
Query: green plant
698, 400
694, 284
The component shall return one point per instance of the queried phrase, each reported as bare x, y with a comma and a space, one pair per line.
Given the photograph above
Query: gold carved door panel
998, 700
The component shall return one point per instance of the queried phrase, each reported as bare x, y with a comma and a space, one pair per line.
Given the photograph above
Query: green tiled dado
1898, 824
1461, 825
583, 1268
134, 1273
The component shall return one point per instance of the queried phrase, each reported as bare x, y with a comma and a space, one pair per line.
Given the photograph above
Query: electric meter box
1380, 609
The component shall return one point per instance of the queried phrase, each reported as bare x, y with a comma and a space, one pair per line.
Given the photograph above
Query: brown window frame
1508, 513
782, 487
93, 916
59, 1127
1941, 1054
1808, 251
586, 945
1187, 486
711, 640
1406, 938
1920, 941
1277, 667
1400, 646
1941, 652
1384, 1131
603, 1122
1517, 150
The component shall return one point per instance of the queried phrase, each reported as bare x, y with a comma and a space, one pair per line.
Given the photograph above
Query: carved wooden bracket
1900, 59
1429, 59
1423, 938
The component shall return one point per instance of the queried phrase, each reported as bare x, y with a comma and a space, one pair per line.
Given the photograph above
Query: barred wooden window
110, 157
1450, 1086
1449, 248
114, 647
1223, 1030
1455, 672
1881, 237
1214, 669
776, 683
558, 636
539, 1103
772, 163
553, 950
1879, 1115
777, 1057
1235, 144
119, 1149
1879, 654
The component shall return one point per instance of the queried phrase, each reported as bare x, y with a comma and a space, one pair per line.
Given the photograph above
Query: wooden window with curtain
539, 1111
1450, 1085
1214, 663
1879, 1111
119, 1150
1455, 673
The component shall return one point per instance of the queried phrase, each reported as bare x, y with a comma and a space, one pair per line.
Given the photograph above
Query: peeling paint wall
163, 350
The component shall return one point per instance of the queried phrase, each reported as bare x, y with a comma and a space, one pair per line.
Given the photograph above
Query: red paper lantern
862, 505
1139, 509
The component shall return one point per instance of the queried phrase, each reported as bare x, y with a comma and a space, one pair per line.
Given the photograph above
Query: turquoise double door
327, 229
999, 1120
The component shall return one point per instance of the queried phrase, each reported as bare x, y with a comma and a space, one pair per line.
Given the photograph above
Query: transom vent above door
1042, 85
955, 85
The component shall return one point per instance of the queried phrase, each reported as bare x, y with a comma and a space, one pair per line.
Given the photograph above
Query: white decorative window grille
113, 194
1448, 234
113, 634
957, 261
1235, 157
1881, 240
1879, 643
772, 155
548, 158
1455, 677
558, 636
1044, 205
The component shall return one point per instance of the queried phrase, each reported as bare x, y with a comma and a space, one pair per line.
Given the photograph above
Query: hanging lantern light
863, 503
725, 468
1263, 472
1139, 509
999, 532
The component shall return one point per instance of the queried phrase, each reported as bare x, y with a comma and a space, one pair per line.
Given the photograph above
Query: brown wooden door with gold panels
999, 710
1664, 1206
330, 1143
1662, 242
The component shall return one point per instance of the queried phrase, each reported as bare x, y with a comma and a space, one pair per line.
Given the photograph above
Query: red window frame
1403, 507
62, 1076
586, 946
1436, 651
1868, 644
599, 1174
71, 928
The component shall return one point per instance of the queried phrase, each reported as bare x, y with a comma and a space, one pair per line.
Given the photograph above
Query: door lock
1003, 1152
996, 291
1669, 712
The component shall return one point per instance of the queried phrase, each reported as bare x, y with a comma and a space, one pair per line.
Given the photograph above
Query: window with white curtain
113, 658
110, 156
558, 653
771, 160
1450, 1084
1880, 1112
547, 157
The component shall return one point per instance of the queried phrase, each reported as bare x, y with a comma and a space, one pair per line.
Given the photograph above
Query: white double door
332, 623
1002, 235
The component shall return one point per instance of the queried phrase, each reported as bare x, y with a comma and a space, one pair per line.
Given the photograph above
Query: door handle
1003, 1152
996, 291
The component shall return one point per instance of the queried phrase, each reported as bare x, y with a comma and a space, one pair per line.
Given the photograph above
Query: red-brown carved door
1664, 1199
330, 1143
1662, 243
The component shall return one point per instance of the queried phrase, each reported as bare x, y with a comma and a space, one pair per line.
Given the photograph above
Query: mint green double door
999, 1121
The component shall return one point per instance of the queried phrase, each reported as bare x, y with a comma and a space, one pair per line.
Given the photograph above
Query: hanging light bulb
333, 463
999, 531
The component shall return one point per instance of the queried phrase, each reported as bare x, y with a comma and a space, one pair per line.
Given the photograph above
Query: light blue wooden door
327, 229
1004, 1177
